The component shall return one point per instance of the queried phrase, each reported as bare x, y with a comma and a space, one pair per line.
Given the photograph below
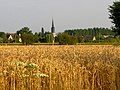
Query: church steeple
52, 28
52, 23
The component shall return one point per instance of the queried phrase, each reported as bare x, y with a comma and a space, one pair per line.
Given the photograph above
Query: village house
12, 37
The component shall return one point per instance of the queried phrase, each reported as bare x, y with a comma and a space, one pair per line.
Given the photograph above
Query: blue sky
67, 14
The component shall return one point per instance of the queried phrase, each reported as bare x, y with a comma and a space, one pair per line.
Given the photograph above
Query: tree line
86, 35
25, 36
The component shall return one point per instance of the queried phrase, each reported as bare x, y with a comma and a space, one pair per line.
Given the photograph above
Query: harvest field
80, 67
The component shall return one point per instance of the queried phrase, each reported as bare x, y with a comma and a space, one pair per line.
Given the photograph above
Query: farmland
49, 67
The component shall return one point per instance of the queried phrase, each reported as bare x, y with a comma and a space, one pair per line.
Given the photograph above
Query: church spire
52, 28
52, 23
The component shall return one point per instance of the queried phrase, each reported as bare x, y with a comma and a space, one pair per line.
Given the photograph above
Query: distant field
49, 67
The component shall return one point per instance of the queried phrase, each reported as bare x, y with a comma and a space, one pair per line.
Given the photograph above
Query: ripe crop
87, 67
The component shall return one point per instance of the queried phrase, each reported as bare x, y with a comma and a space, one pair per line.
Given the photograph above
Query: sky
67, 14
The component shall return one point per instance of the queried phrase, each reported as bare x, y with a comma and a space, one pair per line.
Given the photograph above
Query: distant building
94, 38
105, 36
11, 37
89, 38
53, 31
52, 28
20, 40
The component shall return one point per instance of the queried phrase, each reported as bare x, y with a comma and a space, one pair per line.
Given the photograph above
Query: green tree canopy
24, 30
48, 37
3, 37
64, 38
26, 35
115, 16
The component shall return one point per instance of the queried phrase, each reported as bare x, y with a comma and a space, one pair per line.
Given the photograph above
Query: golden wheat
90, 67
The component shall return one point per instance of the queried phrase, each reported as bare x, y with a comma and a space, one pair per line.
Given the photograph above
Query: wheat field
79, 67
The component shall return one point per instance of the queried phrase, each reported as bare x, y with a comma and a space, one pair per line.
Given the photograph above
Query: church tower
53, 31
52, 28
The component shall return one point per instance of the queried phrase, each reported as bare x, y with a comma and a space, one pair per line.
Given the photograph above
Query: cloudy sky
67, 14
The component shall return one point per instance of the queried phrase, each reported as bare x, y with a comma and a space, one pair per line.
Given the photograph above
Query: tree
89, 31
27, 39
42, 31
48, 36
26, 35
64, 38
1, 40
3, 37
37, 37
115, 16
24, 30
